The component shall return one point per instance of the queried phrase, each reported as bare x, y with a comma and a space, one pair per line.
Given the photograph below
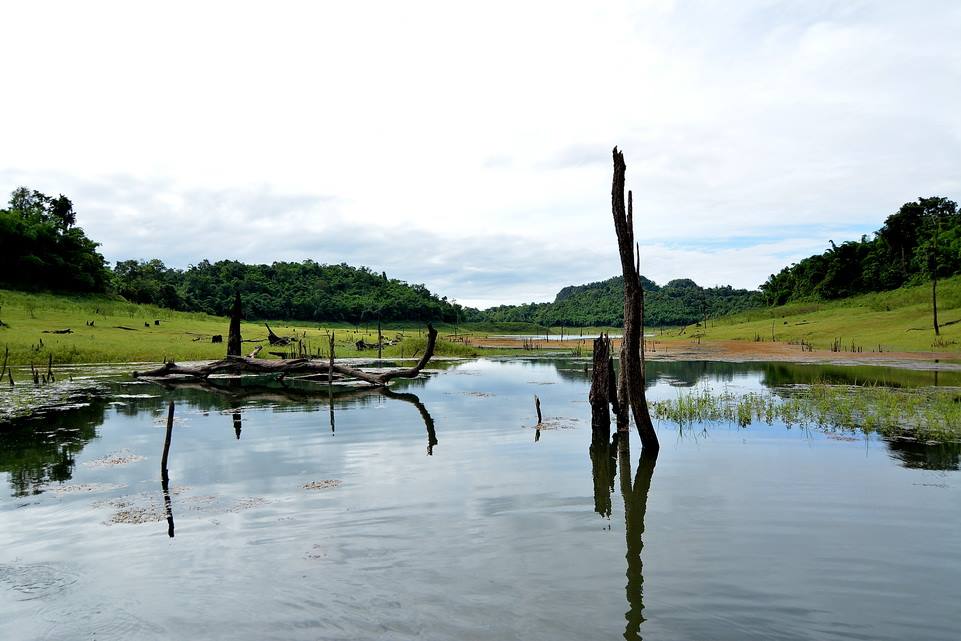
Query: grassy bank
123, 331
899, 320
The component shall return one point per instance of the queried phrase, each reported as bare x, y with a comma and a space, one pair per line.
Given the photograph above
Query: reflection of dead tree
603, 466
284, 367
635, 509
281, 392
424, 414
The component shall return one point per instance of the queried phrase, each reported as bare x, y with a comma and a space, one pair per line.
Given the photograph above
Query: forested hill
293, 291
679, 302
921, 241
41, 248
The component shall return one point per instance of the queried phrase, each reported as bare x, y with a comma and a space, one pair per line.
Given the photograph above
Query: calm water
440, 513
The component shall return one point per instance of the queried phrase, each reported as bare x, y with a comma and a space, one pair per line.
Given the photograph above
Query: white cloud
468, 147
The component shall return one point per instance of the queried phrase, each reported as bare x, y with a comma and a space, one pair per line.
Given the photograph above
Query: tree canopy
921, 239
296, 291
40, 248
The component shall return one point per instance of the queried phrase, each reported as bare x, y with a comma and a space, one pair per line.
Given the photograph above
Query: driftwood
57, 331
283, 367
273, 339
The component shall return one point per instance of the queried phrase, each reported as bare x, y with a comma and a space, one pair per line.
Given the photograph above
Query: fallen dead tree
282, 367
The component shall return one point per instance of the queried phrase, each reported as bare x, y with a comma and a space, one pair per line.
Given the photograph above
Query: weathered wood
164, 477
256, 351
233, 334
537, 408
282, 367
631, 363
600, 390
273, 339
170, 427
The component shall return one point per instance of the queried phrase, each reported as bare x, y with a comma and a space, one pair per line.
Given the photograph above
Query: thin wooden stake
170, 427
537, 406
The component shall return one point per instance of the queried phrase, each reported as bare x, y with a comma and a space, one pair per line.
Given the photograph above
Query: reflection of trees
635, 509
42, 450
603, 465
925, 456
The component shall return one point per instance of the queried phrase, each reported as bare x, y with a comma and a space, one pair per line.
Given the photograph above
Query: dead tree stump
233, 336
600, 390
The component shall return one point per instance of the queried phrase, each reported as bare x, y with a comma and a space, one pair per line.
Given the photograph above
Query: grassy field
898, 320
126, 332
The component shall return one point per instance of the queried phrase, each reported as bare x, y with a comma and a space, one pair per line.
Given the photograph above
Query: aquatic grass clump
927, 414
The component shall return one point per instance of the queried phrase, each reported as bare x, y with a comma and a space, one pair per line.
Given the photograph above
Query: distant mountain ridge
679, 302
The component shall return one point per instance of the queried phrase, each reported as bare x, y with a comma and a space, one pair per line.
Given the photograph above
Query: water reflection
604, 467
36, 452
925, 456
425, 416
635, 509
39, 451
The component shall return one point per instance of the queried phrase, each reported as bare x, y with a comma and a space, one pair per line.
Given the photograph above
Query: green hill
601, 304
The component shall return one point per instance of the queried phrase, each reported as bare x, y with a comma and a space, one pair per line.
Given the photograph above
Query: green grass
899, 320
927, 414
180, 336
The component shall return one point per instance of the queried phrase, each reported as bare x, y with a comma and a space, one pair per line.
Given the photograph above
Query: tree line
919, 242
41, 248
284, 290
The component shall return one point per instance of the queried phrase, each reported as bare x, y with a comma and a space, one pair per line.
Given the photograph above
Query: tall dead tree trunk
934, 279
233, 335
631, 363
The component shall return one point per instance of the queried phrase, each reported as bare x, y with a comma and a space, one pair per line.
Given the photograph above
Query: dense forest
41, 248
679, 302
920, 241
293, 291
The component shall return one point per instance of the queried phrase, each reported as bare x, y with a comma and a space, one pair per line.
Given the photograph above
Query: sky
468, 146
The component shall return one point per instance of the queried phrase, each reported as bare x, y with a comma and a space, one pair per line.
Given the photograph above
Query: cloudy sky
467, 146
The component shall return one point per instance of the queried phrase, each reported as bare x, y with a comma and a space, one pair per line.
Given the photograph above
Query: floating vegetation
326, 484
86, 488
924, 413
557, 423
148, 507
124, 457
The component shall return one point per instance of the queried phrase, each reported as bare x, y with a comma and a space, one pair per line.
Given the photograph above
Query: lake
438, 511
